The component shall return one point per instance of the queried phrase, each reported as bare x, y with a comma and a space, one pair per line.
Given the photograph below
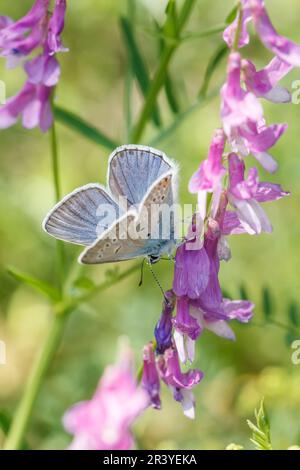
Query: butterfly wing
133, 169
130, 237
114, 245
82, 215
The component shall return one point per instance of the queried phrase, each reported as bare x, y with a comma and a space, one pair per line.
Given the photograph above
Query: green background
237, 375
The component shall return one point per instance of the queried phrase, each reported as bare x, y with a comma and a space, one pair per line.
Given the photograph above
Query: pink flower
243, 119
238, 106
209, 176
180, 383
211, 170
230, 31
103, 423
33, 104
43, 69
246, 194
286, 50
263, 83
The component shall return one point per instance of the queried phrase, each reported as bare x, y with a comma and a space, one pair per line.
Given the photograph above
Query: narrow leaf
294, 314
243, 292
267, 303
169, 85
77, 124
232, 15
5, 421
37, 284
213, 63
137, 62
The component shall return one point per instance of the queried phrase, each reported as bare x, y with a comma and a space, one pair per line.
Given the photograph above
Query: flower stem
236, 41
39, 369
160, 74
57, 192
44, 358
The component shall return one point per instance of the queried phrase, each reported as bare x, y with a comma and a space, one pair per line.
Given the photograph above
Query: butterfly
113, 222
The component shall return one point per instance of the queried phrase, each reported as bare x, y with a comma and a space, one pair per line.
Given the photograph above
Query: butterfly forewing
82, 215
132, 171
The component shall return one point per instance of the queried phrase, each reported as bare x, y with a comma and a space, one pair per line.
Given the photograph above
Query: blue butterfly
140, 180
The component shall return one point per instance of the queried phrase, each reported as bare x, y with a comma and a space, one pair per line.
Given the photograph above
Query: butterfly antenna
142, 272
158, 282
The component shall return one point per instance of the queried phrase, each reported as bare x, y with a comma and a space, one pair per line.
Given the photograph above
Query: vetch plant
229, 203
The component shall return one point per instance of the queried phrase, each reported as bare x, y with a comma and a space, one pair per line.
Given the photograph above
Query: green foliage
88, 131
261, 430
41, 286
137, 63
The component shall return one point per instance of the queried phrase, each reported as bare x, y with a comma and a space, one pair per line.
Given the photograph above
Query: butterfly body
127, 219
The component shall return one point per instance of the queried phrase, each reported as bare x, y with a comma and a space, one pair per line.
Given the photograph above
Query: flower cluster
38, 32
104, 421
229, 202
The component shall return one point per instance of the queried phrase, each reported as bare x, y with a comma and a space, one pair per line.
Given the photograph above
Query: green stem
39, 369
44, 359
160, 74
57, 192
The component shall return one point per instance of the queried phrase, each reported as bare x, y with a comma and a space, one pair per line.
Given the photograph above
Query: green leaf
169, 85
213, 63
84, 283
294, 314
77, 124
137, 63
232, 14
5, 421
261, 431
42, 287
267, 303
170, 28
243, 292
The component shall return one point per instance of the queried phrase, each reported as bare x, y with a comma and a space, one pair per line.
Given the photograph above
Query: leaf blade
79, 125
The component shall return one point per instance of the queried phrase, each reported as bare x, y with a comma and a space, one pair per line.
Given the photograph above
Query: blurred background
266, 269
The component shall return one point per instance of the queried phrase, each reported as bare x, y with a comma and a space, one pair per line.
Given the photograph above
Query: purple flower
263, 83
18, 39
187, 330
43, 69
150, 377
180, 383
103, 423
246, 194
191, 271
33, 104
163, 329
55, 28
286, 50
230, 31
